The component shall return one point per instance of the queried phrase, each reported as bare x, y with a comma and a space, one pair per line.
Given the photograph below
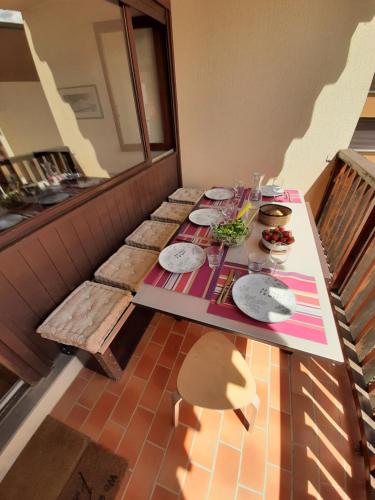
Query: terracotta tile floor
302, 445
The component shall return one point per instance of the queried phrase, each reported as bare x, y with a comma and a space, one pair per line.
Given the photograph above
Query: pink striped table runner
289, 196
307, 321
199, 283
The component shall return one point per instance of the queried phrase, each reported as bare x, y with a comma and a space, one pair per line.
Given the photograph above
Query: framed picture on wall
84, 101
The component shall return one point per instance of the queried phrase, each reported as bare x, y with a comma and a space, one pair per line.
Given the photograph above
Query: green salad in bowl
231, 233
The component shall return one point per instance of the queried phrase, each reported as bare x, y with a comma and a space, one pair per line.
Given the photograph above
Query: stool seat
152, 235
172, 212
87, 316
126, 268
191, 196
214, 375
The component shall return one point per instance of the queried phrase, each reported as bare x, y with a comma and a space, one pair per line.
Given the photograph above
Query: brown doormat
97, 476
51, 462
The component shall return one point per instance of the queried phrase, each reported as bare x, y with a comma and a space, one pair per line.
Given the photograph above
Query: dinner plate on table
271, 191
52, 199
264, 298
219, 194
182, 258
206, 216
10, 220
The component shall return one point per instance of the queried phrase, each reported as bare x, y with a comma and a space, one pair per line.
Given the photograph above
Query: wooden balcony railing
346, 224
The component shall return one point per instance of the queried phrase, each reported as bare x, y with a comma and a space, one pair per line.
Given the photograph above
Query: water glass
238, 189
227, 210
255, 262
214, 255
278, 257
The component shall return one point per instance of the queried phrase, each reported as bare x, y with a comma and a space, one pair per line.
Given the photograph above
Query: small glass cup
238, 189
255, 262
279, 255
214, 255
227, 210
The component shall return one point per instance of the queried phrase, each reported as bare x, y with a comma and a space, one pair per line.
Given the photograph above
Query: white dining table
303, 258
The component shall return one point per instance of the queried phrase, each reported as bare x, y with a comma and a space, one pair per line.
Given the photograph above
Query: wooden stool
215, 375
90, 318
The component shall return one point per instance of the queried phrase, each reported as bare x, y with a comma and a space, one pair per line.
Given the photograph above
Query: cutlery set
230, 281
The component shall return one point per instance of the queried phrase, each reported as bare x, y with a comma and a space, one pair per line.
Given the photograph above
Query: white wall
25, 118
269, 85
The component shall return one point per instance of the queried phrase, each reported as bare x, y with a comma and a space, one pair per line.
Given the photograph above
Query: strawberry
276, 236
283, 240
267, 237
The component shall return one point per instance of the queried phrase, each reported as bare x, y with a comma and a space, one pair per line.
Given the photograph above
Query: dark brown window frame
160, 10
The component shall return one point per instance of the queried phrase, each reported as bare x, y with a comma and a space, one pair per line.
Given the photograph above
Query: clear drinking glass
278, 257
255, 262
255, 193
214, 255
238, 189
227, 210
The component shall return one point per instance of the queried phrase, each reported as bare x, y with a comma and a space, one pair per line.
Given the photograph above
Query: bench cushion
191, 196
87, 316
172, 212
152, 235
126, 268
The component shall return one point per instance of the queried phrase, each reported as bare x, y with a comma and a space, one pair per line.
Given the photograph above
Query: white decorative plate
9, 220
206, 216
52, 199
219, 194
182, 258
264, 298
271, 191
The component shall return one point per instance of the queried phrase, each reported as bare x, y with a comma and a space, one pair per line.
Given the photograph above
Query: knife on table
225, 287
234, 279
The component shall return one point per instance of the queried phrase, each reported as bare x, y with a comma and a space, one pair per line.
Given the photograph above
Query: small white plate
206, 216
219, 194
52, 199
264, 298
182, 258
271, 191
9, 220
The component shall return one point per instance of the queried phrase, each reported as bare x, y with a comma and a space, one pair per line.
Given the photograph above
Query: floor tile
260, 361
160, 334
77, 416
196, 484
155, 387
224, 483
171, 347
94, 423
279, 484
176, 462
93, 390
147, 361
142, 480
172, 381
66, 403
280, 392
232, 430
206, 440
253, 460
162, 425
135, 436
111, 435
163, 494
180, 326
280, 439
128, 401
193, 333
244, 494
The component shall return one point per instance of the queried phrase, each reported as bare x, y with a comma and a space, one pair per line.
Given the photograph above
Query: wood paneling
40, 270
16, 62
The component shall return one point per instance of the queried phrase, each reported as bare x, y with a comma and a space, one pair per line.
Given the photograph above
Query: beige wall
269, 85
64, 48
26, 120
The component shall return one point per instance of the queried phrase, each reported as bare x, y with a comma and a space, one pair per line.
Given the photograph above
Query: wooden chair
215, 375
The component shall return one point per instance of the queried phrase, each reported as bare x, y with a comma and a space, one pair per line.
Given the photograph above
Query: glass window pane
84, 92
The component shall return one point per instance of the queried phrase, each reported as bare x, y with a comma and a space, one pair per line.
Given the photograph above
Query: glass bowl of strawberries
276, 237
